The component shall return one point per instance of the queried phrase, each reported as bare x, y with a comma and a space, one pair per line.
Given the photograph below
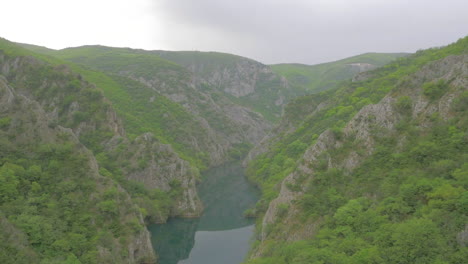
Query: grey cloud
313, 31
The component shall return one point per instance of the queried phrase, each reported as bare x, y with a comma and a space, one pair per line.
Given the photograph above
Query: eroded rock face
224, 124
237, 80
286, 197
381, 115
241, 80
257, 150
234, 75
159, 167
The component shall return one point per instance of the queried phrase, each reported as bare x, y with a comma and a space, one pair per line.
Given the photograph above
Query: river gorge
222, 234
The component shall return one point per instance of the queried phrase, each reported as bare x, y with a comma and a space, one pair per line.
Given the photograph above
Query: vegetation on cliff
373, 171
57, 205
155, 95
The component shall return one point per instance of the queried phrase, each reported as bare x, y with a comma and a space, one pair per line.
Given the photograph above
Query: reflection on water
226, 194
221, 247
174, 240
221, 235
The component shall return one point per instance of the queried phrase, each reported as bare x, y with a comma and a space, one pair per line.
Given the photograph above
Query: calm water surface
222, 234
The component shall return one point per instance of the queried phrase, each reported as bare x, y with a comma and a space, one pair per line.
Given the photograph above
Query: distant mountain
320, 77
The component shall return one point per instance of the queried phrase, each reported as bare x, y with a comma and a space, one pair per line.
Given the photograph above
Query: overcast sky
271, 31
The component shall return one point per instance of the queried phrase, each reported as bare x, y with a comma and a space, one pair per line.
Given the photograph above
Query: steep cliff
362, 184
71, 101
312, 79
244, 81
157, 166
204, 126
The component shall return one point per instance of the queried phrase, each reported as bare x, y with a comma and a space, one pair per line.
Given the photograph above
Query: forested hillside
374, 171
57, 205
158, 96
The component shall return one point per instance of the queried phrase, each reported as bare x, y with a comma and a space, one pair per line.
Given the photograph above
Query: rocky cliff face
231, 74
157, 166
225, 124
370, 123
252, 83
238, 80
218, 126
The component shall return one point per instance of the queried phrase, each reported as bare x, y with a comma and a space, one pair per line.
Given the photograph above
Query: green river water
222, 234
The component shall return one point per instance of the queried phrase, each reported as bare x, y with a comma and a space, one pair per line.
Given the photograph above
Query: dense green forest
383, 183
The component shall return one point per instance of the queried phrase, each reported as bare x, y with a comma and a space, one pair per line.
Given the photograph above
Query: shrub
434, 90
108, 207
403, 104
5, 122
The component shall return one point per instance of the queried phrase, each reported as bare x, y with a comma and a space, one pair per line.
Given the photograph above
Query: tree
8, 184
416, 241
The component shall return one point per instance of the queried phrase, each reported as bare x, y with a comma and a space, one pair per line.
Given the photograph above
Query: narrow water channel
222, 234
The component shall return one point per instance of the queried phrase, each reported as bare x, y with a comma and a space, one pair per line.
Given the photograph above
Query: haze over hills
316, 78
351, 156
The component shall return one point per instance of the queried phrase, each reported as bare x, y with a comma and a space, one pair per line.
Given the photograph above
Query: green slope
215, 128
55, 206
142, 109
315, 78
404, 202
113, 60
145, 111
